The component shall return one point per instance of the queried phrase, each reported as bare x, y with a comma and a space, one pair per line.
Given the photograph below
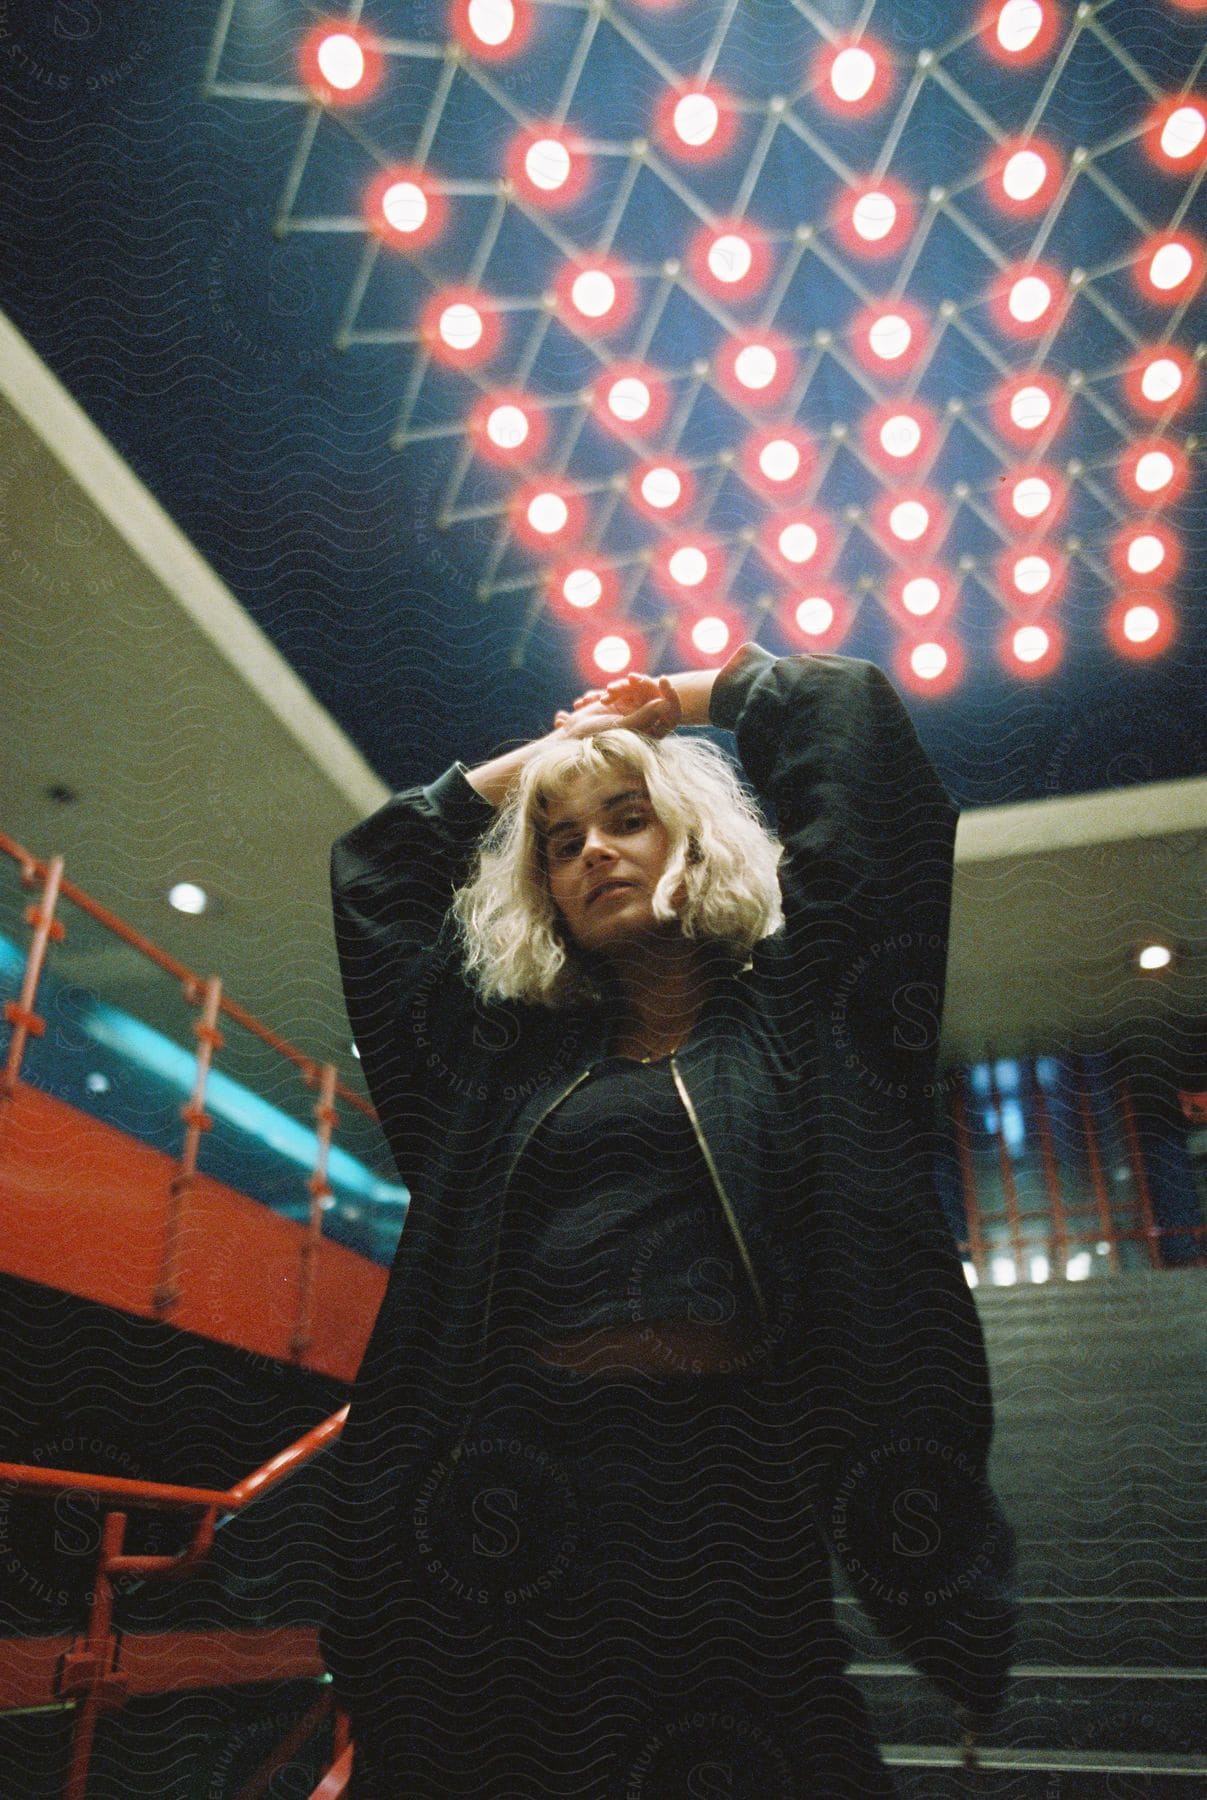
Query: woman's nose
595, 845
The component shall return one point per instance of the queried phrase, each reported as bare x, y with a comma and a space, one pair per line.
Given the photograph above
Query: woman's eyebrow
613, 800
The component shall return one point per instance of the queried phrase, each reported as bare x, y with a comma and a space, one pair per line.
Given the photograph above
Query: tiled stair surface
1099, 1463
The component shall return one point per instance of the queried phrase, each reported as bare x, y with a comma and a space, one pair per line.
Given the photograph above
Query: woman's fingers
638, 702
655, 717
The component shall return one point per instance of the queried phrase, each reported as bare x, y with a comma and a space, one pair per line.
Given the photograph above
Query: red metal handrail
32, 868
180, 1207
89, 1669
161, 1495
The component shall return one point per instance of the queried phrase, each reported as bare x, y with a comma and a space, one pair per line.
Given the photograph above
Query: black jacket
812, 1079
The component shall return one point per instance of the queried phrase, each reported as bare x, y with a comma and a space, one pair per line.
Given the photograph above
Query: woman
675, 1303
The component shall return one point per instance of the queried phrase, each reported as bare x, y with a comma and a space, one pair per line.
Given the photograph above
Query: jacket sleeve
392, 880
867, 826
869, 834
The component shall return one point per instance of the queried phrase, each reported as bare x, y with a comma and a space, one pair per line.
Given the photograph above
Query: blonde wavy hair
719, 851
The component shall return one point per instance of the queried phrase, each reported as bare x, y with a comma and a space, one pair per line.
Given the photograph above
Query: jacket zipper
723, 1197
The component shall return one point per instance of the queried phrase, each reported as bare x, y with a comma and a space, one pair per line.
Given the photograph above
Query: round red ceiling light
1162, 380
1028, 299
689, 567
460, 328
900, 435
778, 460
1175, 135
1154, 472
1169, 267
1023, 176
583, 585
341, 63
1020, 31
548, 514
1141, 626
889, 337
508, 427
710, 636
662, 489
756, 369
730, 259
696, 124
492, 30
929, 666
875, 218
920, 597
1032, 650
1032, 577
1031, 498
853, 77
818, 616
1149, 554
612, 652
404, 208
548, 166
630, 399
799, 542
1029, 408
910, 519
594, 297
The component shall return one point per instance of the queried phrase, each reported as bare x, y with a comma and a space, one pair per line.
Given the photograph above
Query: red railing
204, 993
1056, 1227
87, 1669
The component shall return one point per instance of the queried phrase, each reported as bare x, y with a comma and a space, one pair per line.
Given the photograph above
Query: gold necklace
649, 1057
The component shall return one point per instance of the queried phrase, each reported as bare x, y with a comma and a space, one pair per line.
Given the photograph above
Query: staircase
1099, 1463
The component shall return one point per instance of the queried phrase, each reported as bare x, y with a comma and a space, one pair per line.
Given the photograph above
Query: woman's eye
566, 850
634, 822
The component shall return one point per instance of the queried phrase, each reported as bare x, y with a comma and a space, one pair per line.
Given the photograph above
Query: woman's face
605, 853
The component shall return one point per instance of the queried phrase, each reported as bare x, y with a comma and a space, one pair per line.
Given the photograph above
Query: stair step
1062, 1570
1067, 1568
1124, 1507
933, 1772
1152, 1631
1130, 1494
1132, 1711
1169, 1283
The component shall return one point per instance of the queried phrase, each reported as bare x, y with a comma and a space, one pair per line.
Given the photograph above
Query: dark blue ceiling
139, 259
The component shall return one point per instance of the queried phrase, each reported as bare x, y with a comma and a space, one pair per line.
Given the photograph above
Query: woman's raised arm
649, 711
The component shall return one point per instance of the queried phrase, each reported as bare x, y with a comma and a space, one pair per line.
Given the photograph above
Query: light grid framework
717, 316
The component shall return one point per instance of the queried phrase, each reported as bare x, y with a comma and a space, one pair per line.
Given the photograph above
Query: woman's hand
634, 702
637, 702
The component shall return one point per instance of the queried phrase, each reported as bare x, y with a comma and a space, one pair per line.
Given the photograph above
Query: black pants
618, 1595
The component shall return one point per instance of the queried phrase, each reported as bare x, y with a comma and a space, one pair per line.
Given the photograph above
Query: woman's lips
608, 887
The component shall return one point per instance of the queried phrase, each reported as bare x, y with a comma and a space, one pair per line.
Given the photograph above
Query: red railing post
20, 1013
1152, 1231
328, 1119
1102, 1199
167, 1292
1009, 1187
89, 1670
1058, 1242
